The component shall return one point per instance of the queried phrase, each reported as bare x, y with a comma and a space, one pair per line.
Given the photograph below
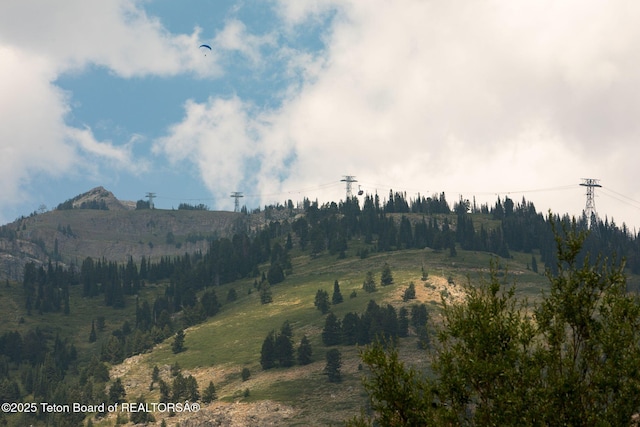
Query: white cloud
115, 34
234, 37
120, 157
218, 137
485, 96
32, 134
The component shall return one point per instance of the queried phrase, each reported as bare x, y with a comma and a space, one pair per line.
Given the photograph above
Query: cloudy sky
480, 99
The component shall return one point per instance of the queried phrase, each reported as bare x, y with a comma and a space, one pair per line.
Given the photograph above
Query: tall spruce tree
336, 298
305, 352
333, 366
178, 342
268, 351
321, 301
332, 331
369, 284
386, 277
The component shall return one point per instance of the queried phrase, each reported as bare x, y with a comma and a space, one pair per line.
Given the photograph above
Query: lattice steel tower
151, 196
349, 179
590, 208
236, 195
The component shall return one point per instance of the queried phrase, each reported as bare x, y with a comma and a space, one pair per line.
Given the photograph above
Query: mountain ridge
97, 224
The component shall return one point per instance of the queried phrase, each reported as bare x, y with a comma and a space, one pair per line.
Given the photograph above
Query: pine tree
386, 278
178, 342
284, 350
369, 284
332, 332
209, 394
92, 335
192, 392
165, 391
403, 322
179, 388
268, 351
141, 417
336, 298
275, 274
409, 293
321, 301
117, 392
304, 351
265, 293
333, 366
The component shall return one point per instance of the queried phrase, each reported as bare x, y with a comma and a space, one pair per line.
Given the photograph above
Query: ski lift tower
590, 208
151, 196
349, 179
236, 195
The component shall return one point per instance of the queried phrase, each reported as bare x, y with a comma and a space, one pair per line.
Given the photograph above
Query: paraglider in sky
205, 48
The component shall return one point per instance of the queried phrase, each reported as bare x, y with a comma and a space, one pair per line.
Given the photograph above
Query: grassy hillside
219, 349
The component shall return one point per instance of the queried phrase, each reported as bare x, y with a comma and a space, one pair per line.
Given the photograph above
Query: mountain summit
98, 197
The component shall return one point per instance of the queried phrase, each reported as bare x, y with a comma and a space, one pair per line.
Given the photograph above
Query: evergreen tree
117, 392
403, 322
192, 392
275, 274
419, 316
178, 342
350, 328
245, 374
141, 417
369, 284
268, 351
165, 391
332, 331
284, 346
179, 388
336, 298
321, 301
209, 394
409, 293
265, 293
210, 303
304, 351
92, 335
386, 278
333, 366
232, 295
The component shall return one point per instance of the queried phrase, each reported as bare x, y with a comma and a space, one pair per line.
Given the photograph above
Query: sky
482, 99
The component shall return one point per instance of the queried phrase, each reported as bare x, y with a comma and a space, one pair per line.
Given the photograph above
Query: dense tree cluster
571, 360
401, 223
47, 290
384, 323
188, 207
277, 348
43, 361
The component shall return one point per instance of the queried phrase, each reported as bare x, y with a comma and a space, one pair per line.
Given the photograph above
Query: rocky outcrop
100, 196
